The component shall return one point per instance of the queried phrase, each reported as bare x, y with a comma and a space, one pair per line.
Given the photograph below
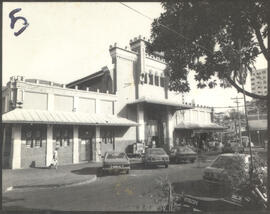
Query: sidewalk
66, 175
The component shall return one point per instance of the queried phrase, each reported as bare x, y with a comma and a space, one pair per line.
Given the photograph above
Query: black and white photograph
135, 106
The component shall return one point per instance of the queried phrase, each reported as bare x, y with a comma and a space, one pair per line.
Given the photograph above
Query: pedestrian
55, 158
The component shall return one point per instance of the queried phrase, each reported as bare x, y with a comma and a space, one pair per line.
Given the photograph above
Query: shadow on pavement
140, 166
86, 171
7, 200
200, 188
22, 209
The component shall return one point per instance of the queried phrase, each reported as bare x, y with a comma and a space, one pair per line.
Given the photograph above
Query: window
145, 78
34, 135
162, 81
63, 135
108, 135
151, 81
156, 80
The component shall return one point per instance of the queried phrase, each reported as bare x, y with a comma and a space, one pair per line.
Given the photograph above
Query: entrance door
86, 136
151, 130
86, 149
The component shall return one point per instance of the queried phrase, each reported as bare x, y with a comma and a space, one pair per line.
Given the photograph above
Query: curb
52, 186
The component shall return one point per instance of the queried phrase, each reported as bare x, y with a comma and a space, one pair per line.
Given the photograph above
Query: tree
220, 38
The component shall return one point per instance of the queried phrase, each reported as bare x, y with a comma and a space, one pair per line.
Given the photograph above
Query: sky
67, 41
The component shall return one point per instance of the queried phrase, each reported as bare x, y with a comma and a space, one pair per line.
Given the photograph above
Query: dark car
217, 171
155, 157
116, 162
182, 153
232, 147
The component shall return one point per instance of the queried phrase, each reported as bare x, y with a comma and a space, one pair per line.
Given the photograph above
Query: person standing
55, 158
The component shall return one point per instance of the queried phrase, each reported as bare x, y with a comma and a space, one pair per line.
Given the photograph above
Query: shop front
194, 134
31, 136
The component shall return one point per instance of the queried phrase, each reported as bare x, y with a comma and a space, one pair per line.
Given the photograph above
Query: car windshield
115, 155
156, 151
225, 161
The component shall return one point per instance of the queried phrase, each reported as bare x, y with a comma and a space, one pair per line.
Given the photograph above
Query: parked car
155, 157
182, 153
216, 172
116, 162
232, 147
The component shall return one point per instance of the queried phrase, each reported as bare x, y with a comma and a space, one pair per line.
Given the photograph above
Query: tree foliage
220, 38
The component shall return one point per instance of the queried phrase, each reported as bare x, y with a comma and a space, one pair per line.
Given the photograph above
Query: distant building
105, 111
259, 81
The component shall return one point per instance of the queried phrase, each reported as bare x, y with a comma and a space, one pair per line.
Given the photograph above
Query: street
136, 191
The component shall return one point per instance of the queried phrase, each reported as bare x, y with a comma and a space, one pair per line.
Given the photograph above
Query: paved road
136, 191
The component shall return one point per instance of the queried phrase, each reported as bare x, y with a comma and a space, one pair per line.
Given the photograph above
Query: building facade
259, 81
105, 111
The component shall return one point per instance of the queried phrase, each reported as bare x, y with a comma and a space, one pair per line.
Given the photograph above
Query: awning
177, 105
255, 125
58, 117
199, 126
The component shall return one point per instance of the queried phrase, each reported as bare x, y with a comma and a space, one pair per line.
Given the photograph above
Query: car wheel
192, 160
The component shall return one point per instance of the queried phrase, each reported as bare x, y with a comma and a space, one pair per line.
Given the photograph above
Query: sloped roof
198, 126
58, 117
89, 77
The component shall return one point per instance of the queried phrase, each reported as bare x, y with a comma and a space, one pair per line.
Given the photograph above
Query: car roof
114, 152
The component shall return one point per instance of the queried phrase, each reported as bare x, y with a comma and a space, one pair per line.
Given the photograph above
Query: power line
179, 34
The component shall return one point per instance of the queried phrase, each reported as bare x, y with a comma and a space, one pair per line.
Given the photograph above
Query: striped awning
199, 126
58, 117
166, 102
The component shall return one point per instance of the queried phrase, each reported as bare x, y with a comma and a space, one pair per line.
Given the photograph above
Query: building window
34, 135
63, 135
108, 135
162, 81
151, 81
145, 78
156, 80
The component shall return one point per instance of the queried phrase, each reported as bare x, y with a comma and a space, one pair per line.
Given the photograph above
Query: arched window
151, 78
156, 79
162, 80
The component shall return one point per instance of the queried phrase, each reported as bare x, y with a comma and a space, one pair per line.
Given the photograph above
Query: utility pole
239, 119
242, 83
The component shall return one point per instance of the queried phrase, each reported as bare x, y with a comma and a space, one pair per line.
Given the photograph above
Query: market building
108, 110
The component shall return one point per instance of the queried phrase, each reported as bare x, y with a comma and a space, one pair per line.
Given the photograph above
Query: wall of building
259, 81
60, 98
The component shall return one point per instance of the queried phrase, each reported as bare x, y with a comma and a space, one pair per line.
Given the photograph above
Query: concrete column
97, 156
50, 102
169, 128
140, 120
16, 147
49, 145
75, 145
97, 106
